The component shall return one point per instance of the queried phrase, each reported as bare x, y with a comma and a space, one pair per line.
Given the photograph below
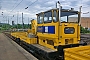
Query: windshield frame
47, 17
39, 20
67, 14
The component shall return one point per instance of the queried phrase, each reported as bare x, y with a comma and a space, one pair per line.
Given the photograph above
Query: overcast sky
10, 8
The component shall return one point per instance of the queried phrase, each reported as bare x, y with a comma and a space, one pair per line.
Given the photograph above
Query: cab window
55, 16
40, 18
48, 17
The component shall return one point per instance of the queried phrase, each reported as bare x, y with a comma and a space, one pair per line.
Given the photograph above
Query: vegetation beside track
84, 30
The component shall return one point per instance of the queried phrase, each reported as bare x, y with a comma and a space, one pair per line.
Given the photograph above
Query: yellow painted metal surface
77, 53
59, 37
33, 26
69, 38
44, 38
53, 39
49, 35
17, 34
29, 31
28, 40
23, 36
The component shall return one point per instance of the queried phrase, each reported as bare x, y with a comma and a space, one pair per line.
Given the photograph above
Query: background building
85, 21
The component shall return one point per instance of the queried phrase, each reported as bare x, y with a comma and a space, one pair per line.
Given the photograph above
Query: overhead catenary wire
17, 5
14, 4
31, 4
28, 5
34, 2
42, 9
21, 2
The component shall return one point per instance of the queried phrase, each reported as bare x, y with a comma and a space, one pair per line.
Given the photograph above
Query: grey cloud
40, 5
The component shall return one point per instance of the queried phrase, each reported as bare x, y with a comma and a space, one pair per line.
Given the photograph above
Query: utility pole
56, 4
17, 20
28, 22
8, 20
22, 21
87, 24
8, 23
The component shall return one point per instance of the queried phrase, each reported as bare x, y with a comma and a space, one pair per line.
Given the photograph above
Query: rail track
85, 38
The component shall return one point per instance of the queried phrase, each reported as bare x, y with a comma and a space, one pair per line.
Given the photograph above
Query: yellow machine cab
58, 27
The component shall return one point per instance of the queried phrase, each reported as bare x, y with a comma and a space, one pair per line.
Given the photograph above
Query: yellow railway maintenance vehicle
52, 32
55, 36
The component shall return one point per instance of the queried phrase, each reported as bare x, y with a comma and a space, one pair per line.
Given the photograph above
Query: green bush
83, 30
